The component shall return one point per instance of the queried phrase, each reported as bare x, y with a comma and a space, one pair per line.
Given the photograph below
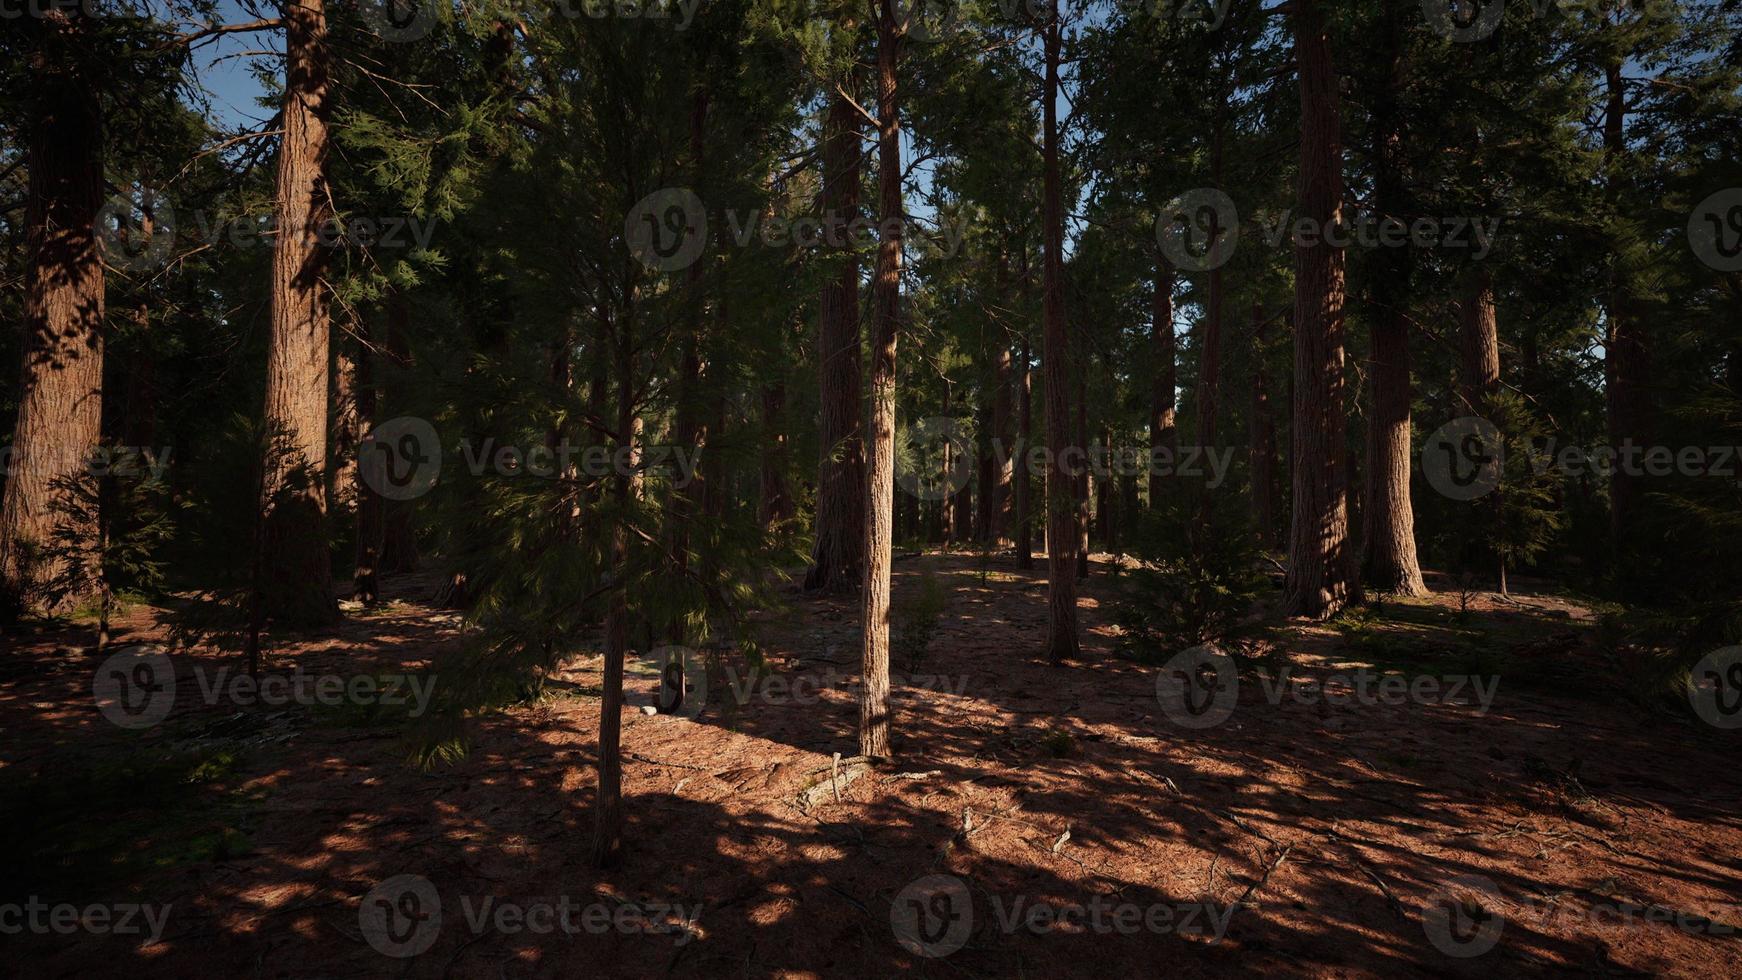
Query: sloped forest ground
1080, 829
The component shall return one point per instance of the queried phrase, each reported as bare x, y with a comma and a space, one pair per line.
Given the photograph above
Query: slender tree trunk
880, 473
999, 501
776, 498
1389, 562
1320, 577
608, 810
1210, 346
1024, 478
296, 569
342, 474
60, 411
1061, 533
1480, 341
1162, 425
371, 514
837, 559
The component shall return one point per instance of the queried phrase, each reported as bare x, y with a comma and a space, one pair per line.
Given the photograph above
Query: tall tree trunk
60, 411
1023, 475
1061, 522
1479, 341
1626, 355
689, 432
1389, 562
342, 474
1210, 343
1320, 577
837, 558
1263, 420
1162, 425
296, 571
880, 471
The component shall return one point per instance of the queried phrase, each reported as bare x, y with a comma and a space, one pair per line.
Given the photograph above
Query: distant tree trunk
1210, 342
1626, 354
60, 410
371, 514
1061, 533
776, 497
1024, 478
399, 537
1480, 341
1320, 577
984, 466
296, 570
342, 474
1389, 562
1263, 437
880, 473
1162, 424
998, 502
836, 560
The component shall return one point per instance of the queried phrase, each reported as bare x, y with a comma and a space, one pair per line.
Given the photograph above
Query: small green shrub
916, 616
1196, 580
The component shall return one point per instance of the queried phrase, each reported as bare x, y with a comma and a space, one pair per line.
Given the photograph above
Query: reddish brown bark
1320, 578
1024, 516
880, 470
1263, 449
61, 407
1480, 341
837, 557
296, 573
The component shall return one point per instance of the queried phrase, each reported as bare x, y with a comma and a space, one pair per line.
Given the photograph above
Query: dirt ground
1038, 821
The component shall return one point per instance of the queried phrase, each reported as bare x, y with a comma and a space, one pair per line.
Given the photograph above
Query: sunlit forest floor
1610, 832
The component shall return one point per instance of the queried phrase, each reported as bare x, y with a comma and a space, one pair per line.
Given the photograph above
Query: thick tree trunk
837, 558
60, 410
1389, 562
880, 471
1162, 424
1061, 523
1320, 577
296, 570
